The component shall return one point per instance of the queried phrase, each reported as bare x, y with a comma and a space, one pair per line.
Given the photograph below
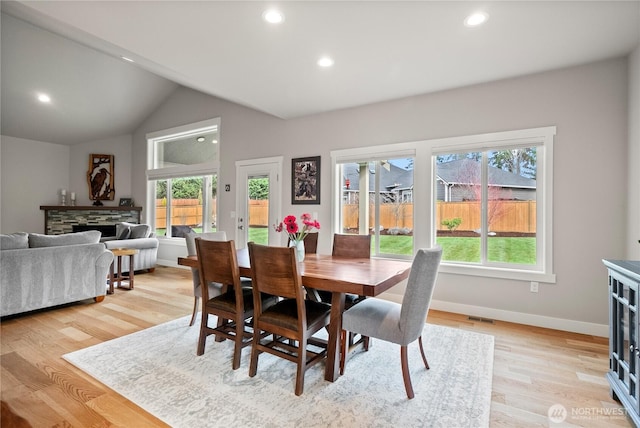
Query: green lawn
507, 250
259, 235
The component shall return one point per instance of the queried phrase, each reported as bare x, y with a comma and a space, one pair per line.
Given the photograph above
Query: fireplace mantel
60, 219
87, 208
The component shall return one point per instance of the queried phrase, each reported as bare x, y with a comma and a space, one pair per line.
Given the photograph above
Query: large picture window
376, 198
182, 174
486, 199
486, 206
492, 203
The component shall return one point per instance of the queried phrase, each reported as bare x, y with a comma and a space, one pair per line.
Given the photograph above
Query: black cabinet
624, 344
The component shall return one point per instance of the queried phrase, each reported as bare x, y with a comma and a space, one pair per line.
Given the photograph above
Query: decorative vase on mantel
299, 246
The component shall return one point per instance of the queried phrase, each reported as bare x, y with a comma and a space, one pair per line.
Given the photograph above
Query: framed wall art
100, 178
305, 180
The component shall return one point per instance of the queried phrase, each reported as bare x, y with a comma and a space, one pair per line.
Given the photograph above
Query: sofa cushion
137, 230
14, 241
89, 237
125, 232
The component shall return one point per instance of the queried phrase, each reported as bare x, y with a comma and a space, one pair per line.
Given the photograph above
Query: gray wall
120, 148
33, 173
588, 104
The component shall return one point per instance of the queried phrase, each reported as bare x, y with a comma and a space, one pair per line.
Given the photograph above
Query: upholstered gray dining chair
390, 321
214, 289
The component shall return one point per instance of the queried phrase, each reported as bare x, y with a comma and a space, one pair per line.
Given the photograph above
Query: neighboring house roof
450, 173
394, 178
447, 172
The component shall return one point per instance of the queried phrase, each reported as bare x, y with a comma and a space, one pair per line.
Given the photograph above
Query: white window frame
182, 171
385, 152
424, 153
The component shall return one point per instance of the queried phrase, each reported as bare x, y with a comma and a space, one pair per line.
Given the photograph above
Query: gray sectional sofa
40, 271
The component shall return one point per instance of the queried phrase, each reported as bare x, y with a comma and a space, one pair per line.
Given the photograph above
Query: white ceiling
382, 49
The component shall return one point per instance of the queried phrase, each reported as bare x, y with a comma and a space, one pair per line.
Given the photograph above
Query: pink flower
292, 228
290, 225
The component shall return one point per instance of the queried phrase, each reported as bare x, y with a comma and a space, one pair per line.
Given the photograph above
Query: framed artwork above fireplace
100, 178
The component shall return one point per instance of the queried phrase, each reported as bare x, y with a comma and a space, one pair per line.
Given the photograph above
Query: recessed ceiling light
200, 139
476, 19
273, 16
214, 141
127, 59
44, 98
325, 61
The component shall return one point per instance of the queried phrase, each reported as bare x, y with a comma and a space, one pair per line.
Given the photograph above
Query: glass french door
258, 201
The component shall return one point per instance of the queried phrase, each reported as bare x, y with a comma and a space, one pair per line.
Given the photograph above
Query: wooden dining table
338, 275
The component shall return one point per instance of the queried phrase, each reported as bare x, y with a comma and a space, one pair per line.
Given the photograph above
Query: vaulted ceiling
382, 50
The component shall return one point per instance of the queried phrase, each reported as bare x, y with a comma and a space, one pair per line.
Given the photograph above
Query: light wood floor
534, 368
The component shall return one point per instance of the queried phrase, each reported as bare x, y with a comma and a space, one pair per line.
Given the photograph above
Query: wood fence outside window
505, 216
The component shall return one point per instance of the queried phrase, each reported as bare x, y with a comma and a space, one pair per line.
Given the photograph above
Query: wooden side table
118, 253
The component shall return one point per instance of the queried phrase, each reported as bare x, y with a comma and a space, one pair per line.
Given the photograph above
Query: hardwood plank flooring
534, 368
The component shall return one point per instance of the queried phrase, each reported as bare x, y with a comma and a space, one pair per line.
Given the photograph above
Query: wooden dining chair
219, 264
351, 246
214, 289
397, 323
354, 247
294, 319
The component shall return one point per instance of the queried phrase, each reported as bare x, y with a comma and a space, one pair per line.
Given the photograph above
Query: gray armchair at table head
392, 322
214, 289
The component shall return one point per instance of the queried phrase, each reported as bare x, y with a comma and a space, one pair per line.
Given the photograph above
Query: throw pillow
137, 230
89, 237
14, 241
125, 232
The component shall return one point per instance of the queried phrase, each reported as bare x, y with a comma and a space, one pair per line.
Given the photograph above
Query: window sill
493, 272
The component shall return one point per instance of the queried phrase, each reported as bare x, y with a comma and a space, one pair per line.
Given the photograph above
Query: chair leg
405, 372
424, 358
195, 311
221, 322
302, 365
253, 365
203, 334
237, 349
343, 350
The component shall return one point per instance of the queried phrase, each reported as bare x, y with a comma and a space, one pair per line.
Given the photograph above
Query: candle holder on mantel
63, 197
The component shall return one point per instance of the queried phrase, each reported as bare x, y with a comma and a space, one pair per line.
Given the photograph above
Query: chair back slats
218, 263
351, 246
417, 297
275, 271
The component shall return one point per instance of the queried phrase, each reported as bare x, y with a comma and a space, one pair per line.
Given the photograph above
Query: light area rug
158, 369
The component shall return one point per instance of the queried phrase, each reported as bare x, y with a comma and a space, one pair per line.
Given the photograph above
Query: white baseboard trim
592, 329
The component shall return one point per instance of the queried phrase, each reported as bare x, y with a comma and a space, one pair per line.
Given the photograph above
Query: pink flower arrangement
290, 225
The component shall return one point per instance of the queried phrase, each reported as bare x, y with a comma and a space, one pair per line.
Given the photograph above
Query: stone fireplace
67, 219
